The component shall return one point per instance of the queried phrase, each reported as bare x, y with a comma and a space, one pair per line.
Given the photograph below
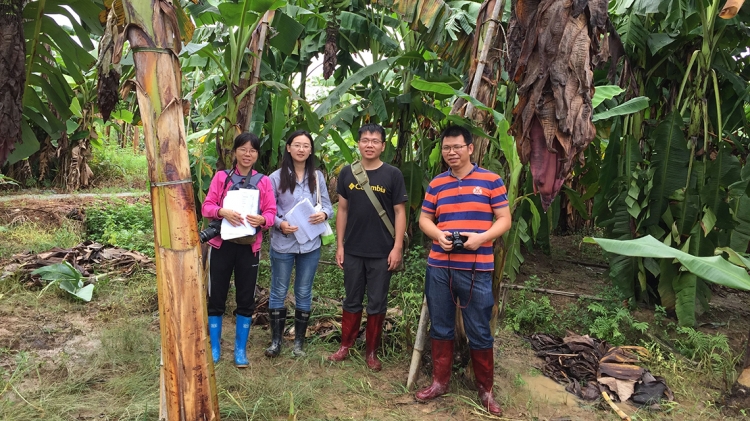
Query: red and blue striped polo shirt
464, 205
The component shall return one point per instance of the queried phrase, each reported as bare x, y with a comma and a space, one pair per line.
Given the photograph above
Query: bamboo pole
416, 355
188, 391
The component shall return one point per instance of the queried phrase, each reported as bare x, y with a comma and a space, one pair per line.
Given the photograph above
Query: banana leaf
713, 269
670, 161
605, 92
631, 106
335, 96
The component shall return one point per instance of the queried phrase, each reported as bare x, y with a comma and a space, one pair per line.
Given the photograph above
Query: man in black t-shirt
366, 250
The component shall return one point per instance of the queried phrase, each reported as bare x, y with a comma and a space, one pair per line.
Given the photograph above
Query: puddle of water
544, 389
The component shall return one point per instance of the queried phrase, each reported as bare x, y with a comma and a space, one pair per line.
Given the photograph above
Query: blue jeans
281, 275
443, 286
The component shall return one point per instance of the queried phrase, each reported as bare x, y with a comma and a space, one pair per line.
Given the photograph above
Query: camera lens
214, 229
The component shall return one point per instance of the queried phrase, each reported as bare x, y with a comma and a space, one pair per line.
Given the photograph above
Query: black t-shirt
366, 235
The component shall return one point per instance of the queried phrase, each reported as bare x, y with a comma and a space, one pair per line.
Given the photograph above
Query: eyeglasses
244, 151
302, 146
454, 148
373, 142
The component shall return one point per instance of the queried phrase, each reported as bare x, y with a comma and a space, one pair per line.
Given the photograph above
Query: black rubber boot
277, 322
301, 318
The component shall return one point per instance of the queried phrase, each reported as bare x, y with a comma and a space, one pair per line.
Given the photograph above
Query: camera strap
450, 282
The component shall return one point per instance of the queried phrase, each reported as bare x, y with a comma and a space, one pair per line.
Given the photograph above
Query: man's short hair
372, 128
455, 131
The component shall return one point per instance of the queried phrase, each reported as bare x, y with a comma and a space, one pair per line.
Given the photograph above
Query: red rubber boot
483, 361
349, 331
373, 334
442, 361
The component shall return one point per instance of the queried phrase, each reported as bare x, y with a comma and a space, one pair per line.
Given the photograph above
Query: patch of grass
136, 294
30, 236
119, 167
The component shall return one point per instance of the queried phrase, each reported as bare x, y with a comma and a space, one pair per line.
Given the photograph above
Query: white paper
299, 216
245, 202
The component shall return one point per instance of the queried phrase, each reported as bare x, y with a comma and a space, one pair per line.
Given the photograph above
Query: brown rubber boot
349, 331
442, 361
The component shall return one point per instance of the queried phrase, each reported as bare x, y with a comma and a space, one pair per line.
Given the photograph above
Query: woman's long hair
288, 178
242, 139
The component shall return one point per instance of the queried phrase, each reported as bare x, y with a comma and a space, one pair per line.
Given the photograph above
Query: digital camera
457, 240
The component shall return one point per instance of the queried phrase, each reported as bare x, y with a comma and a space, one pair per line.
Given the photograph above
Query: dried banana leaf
553, 46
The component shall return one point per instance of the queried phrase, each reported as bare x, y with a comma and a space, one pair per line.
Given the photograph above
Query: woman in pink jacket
228, 256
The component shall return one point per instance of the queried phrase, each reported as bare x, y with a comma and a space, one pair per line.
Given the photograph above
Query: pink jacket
215, 198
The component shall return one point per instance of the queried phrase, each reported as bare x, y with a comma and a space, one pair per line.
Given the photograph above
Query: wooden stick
416, 355
553, 292
614, 407
589, 264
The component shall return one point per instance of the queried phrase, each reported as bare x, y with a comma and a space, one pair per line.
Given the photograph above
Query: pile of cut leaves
591, 368
87, 258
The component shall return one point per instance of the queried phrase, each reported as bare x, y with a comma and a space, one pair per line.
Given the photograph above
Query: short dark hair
246, 137
372, 128
455, 131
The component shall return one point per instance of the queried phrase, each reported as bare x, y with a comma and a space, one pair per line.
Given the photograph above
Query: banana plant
683, 288
227, 52
674, 170
54, 54
156, 31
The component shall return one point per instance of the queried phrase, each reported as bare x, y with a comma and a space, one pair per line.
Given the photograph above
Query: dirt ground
65, 337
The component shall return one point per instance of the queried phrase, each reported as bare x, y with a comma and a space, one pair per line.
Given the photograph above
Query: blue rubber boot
240, 340
214, 332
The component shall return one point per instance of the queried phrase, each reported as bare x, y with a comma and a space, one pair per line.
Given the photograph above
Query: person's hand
474, 240
394, 259
444, 241
233, 217
286, 228
317, 218
256, 220
340, 257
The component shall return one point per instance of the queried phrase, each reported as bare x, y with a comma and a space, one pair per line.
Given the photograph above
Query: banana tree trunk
257, 45
189, 391
12, 75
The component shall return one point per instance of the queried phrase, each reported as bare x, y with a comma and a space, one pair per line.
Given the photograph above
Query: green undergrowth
121, 224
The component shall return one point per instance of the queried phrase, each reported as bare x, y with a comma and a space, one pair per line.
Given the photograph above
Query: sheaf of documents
245, 202
299, 216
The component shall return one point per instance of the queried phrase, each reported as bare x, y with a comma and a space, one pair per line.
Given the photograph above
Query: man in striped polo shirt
464, 211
